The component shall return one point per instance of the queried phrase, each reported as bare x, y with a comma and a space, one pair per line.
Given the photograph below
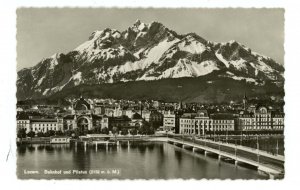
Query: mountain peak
233, 42
139, 26
142, 52
55, 56
137, 22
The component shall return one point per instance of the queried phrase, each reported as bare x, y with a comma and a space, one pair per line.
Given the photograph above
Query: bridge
272, 165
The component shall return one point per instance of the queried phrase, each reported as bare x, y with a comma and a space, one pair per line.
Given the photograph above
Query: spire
245, 96
245, 99
141, 109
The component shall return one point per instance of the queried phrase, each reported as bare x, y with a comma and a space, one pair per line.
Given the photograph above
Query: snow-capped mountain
143, 52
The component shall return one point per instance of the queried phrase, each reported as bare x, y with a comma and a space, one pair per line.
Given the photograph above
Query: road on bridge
240, 153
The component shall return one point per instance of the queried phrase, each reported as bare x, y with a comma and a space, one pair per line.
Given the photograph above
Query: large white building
187, 123
261, 119
44, 125
200, 123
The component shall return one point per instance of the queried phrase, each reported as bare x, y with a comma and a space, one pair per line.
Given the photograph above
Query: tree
91, 131
124, 131
76, 133
40, 134
59, 133
49, 133
104, 130
21, 133
97, 130
115, 130
31, 134
151, 131
142, 130
69, 133
133, 132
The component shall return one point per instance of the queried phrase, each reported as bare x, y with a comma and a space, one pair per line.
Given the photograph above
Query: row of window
47, 124
169, 123
192, 131
206, 121
44, 129
39, 129
19, 121
216, 127
262, 127
59, 140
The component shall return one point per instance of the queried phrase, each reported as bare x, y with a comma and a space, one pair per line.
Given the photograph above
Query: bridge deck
269, 164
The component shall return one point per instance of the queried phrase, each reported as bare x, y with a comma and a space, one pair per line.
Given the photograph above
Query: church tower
245, 101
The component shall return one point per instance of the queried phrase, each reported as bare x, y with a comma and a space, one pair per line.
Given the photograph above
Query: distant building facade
200, 123
169, 122
261, 119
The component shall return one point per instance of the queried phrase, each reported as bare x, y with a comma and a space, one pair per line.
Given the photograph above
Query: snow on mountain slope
190, 44
187, 68
143, 52
221, 58
155, 53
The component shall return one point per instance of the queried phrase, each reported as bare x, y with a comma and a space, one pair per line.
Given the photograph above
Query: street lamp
257, 149
235, 150
194, 139
226, 134
219, 146
241, 140
214, 134
277, 148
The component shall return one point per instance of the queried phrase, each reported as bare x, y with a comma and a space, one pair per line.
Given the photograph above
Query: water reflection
136, 160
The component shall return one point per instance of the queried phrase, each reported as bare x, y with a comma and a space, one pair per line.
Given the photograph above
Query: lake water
139, 160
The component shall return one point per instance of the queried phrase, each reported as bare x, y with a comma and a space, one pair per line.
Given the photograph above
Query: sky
42, 32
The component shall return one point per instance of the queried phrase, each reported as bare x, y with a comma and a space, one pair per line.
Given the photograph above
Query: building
69, 122
119, 123
128, 112
117, 112
169, 122
23, 122
222, 123
136, 121
82, 118
109, 111
262, 119
99, 109
82, 107
104, 122
156, 119
44, 124
59, 139
201, 123
146, 114
187, 123
278, 122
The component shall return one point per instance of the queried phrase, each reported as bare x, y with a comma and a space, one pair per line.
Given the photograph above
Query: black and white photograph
150, 93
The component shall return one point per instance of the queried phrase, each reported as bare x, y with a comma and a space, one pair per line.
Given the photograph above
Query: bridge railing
253, 155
